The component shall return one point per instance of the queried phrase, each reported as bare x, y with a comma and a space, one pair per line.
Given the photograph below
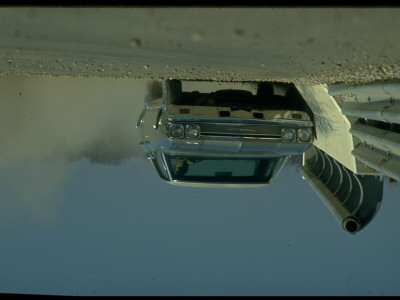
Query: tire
172, 91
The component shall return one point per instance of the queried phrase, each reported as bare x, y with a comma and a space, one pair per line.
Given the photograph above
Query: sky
82, 212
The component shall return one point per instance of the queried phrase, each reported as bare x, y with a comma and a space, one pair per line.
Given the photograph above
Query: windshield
216, 169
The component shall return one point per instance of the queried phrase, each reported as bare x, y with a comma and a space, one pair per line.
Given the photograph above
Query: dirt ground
301, 45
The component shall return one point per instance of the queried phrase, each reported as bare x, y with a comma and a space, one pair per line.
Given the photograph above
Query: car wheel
173, 91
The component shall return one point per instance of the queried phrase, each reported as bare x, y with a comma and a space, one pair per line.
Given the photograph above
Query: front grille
215, 135
240, 130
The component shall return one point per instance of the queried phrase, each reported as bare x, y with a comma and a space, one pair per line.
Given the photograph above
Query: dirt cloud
48, 124
46, 118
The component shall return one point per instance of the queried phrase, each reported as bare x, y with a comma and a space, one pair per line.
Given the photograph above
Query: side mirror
151, 156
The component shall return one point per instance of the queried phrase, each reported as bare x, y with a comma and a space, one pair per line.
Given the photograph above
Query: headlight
176, 130
288, 135
193, 131
304, 135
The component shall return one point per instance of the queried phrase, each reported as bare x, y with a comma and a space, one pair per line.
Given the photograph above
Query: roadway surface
301, 45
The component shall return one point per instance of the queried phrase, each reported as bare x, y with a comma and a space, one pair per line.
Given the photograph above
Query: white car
223, 138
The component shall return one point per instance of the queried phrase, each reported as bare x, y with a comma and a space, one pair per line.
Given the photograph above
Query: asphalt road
301, 45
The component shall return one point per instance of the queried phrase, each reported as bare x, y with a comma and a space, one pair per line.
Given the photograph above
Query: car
225, 137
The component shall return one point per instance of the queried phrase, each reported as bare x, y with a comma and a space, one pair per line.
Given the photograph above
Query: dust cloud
48, 124
45, 118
